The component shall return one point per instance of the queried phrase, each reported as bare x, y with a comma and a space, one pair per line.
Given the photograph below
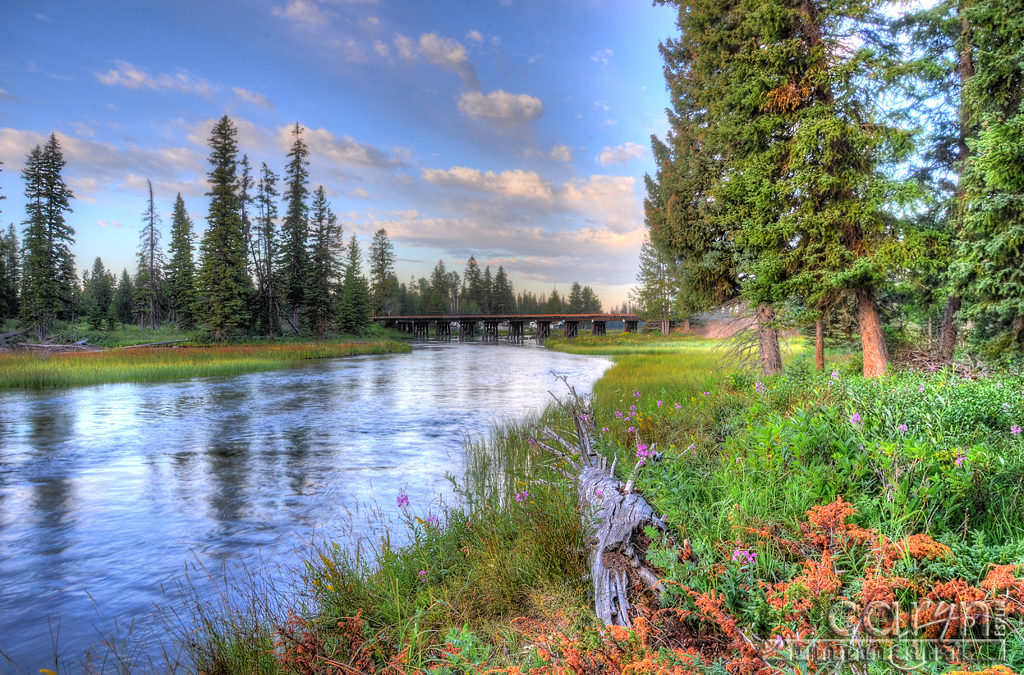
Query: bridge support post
490, 331
631, 326
442, 331
466, 330
571, 329
543, 331
422, 330
597, 328
515, 332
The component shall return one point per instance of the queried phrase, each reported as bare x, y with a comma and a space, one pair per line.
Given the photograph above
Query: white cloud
371, 25
475, 36
406, 47
606, 201
382, 49
444, 52
621, 154
359, 193
514, 183
113, 223
6, 96
95, 165
602, 56
354, 53
127, 75
253, 97
502, 106
561, 153
344, 150
302, 12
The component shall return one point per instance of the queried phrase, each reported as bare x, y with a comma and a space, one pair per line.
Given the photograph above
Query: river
108, 492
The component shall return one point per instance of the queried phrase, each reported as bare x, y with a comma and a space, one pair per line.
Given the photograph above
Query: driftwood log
614, 515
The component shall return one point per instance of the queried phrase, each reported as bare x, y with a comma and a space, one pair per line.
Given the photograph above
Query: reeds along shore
19, 370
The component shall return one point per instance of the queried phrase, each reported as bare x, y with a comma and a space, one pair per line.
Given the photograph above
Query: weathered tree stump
612, 512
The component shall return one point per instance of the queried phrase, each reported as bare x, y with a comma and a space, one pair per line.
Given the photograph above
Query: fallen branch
154, 344
615, 515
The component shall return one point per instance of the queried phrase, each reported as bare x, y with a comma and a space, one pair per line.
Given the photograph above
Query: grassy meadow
24, 370
785, 499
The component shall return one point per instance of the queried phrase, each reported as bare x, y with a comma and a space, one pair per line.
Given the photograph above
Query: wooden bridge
420, 326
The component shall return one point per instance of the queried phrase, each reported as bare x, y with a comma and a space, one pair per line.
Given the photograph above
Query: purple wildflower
636, 394
760, 387
678, 407
855, 418
423, 575
599, 492
402, 500
902, 428
632, 408
1015, 430
959, 460
630, 430
642, 451
432, 521
604, 429
744, 556
523, 496
920, 387
659, 404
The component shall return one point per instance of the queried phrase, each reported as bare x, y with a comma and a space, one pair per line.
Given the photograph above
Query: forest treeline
848, 159
271, 261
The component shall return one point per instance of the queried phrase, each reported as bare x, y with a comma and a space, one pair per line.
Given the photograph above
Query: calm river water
108, 492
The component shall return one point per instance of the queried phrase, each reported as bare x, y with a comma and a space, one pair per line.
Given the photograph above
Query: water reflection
107, 492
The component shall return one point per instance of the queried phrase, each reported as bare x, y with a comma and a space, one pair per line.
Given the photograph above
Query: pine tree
122, 308
295, 231
10, 274
503, 296
473, 282
180, 271
988, 265
98, 292
148, 279
773, 94
383, 282
656, 295
223, 283
437, 300
591, 303
554, 304
48, 277
325, 238
487, 292
575, 298
264, 251
354, 315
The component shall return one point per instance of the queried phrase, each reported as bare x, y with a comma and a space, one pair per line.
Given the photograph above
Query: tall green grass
20, 370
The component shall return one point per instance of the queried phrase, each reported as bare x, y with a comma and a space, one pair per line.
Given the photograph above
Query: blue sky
514, 130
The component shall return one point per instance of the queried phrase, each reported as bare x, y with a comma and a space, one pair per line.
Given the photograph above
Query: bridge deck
510, 317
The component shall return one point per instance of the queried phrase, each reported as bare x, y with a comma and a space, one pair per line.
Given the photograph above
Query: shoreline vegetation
27, 370
797, 506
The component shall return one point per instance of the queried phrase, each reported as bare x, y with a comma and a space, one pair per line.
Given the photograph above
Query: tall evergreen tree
575, 298
656, 294
48, 277
122, 308
773, 93
355, 316
295, 231
148, 281
988, 265
554, 303
591, 303
223, 281
98, 291
437, 300
487, 292
503, 296
473, 281
264, 245
325, 238
180, 271
383, 282
10, 274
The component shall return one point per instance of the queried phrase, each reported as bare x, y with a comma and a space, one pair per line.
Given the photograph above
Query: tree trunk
876, 356
768, 341
948, 329
819, 344
686, 325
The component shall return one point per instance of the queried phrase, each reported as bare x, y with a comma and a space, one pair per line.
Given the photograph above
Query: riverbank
21, 370
801, 509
